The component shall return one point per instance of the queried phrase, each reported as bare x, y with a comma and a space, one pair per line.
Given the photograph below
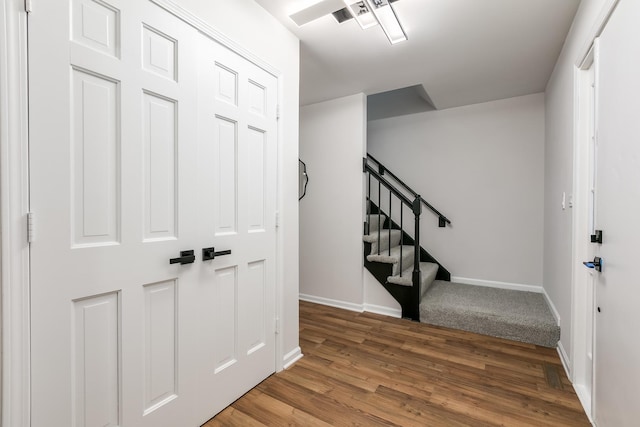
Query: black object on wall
303, 179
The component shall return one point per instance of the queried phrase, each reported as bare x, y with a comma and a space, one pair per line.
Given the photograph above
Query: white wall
481, 166
332, 141
250, 26
558, 176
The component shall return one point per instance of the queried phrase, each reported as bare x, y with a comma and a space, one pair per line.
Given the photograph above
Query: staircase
390, 255
422, 285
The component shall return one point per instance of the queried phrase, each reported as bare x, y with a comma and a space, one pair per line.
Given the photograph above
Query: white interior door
122, 181
238, 134
617, 372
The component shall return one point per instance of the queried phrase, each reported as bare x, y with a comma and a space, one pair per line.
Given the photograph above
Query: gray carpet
514, 315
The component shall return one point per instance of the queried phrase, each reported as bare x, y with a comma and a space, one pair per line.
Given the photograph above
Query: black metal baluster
379, 225
401, 234
416, 278
389, 252
369, 204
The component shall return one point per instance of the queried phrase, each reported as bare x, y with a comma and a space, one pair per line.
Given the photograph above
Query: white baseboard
566, 362
499, 285
585, 400
292, 357
385, 311
553, 308
332, 302
581, 392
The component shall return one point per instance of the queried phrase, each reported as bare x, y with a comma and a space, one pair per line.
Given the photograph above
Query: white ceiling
462, 51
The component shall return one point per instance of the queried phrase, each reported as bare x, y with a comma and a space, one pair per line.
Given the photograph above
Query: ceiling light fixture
368, 13
388, 20
361, 11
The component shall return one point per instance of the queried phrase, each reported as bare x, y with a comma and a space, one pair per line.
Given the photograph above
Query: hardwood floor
362, 369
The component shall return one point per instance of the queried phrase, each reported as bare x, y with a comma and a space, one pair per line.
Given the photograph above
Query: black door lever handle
595, 264
186, 257
210, 253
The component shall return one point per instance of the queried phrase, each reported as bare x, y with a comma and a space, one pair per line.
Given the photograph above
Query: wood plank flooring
363, 369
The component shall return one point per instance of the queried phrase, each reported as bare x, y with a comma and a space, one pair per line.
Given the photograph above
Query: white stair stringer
384, 241
393, 257
429, 271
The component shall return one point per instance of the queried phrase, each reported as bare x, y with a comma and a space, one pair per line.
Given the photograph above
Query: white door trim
14, 202
200, 25
581, 187
578, 328
596, 30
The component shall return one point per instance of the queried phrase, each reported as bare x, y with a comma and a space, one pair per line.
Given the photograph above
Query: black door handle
210, 253
596, 263
186, 257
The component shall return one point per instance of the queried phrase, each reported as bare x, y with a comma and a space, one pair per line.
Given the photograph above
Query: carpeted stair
514, 315
504, 313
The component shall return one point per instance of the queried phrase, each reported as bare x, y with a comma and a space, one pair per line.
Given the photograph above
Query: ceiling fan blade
318, 10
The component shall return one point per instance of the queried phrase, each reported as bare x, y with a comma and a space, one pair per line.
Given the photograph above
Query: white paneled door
147, 140
617, 349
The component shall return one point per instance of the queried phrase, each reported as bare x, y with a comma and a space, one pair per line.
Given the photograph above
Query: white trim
14, 205
552, 307
566, 363
580, 363
280, 297
332, 302
596, 30
581, 392
585, 400
385, 311
495, 284
371, 308
202, 26
292, 357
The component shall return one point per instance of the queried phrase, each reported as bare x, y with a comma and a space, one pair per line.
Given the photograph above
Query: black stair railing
399, 191
414, 205
382, 170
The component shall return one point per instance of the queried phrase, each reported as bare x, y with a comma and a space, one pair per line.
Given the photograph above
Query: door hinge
28, 6
277, 219
277, 325
30, 228
278, 112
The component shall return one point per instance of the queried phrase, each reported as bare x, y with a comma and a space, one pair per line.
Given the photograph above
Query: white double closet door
147, 139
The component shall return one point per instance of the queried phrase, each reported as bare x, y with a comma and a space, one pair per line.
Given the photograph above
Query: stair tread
393, 257
428, 269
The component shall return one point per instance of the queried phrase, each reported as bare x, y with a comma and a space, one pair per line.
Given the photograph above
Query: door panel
617, 353
96, 358
237, 128
122, 180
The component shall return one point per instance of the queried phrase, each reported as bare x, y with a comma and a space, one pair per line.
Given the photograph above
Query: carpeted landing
503, 313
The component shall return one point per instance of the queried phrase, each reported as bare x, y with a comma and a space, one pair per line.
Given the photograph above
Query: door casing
580, 312
586, 56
